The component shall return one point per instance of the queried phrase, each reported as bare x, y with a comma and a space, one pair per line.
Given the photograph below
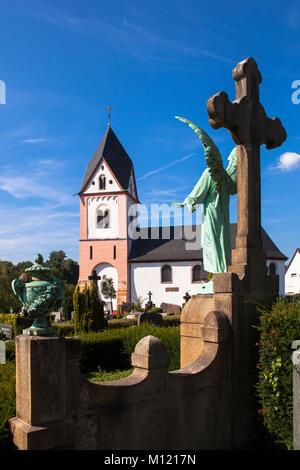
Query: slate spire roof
115, 156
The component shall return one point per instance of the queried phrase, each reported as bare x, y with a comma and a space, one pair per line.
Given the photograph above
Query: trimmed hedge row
279, 327
112, 349
67, 329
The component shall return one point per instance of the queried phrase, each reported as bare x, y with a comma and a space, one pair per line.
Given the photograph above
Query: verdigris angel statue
213, 191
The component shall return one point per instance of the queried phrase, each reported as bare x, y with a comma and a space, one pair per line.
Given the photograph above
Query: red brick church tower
107, 191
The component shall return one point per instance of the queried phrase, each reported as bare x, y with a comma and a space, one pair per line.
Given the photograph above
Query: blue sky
64, 61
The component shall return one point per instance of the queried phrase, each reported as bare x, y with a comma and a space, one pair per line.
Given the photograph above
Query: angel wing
212, 155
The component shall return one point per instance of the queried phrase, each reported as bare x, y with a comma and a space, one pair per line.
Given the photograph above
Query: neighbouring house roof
292, 258
115, 156
174, 249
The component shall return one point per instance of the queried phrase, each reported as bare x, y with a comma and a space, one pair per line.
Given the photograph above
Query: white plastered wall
280, 270
111, 183
292, 276
147, 276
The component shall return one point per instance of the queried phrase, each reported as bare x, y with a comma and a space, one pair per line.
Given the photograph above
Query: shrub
156, 310
88, 310
103, 350
64, 329
112, 349
279, 327
171, 320
7, 403
123, 323
170, 336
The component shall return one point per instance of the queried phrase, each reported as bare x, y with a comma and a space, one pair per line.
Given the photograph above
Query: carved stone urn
38, 296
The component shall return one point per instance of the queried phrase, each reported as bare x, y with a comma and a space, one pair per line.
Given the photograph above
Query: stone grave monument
246, 280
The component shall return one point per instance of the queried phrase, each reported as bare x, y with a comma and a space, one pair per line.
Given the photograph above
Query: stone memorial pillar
46, 370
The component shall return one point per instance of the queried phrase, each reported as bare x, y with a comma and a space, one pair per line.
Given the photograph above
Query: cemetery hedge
279, 327
112, 349
68, 329
7, 403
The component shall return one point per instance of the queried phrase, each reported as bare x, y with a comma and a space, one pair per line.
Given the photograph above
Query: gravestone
164, 306
150, 317
2, 353
7, 330
173, 308
57, 316
149, 304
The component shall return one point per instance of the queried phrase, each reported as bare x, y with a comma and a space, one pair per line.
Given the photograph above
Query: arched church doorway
107, 271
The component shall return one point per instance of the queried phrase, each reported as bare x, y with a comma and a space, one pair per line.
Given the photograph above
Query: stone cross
246, 120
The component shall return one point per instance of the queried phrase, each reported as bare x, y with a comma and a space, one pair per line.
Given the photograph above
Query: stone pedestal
235, 297
43, 368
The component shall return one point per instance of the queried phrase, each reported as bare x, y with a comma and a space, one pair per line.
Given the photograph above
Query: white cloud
288, 161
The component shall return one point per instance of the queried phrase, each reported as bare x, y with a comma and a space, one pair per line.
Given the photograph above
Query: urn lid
38, 266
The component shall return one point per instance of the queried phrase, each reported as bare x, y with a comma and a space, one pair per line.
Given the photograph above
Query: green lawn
103, 376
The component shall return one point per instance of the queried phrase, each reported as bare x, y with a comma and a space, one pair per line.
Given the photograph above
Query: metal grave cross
246, 120
94, 277
150, 294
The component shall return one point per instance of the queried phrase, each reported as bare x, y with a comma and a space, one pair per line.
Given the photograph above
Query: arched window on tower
166, 273
103, 218
196, 273
102, 182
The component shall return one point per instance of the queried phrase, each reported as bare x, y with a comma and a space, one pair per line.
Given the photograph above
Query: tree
70, 271
88, 310
97, 322
63, 267
67, 303
78, 309
8, 300
108, 290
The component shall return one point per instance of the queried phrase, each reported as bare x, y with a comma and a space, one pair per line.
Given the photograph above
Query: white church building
292, 275
152, 260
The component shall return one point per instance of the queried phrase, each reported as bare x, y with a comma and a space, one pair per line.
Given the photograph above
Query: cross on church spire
109, 108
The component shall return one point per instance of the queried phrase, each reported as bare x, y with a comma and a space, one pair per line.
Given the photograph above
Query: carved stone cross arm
245, 117
246, 121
